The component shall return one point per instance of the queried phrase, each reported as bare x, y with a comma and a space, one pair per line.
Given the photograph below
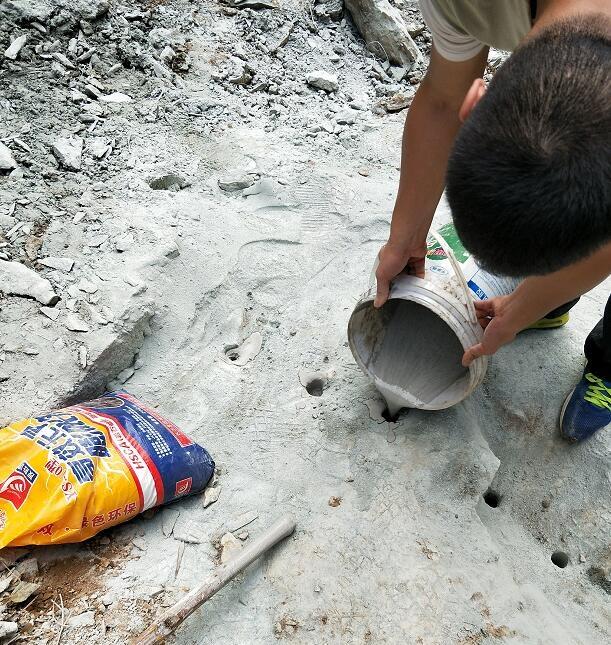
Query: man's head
529, 177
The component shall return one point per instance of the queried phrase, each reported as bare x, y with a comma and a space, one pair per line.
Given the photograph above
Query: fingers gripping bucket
412, 347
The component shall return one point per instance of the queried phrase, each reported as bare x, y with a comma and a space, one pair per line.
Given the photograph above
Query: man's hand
393, 260
499, 328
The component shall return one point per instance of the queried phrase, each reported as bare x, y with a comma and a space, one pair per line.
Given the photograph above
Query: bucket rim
420, 290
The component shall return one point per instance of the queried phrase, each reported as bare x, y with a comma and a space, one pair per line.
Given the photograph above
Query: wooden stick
175, 615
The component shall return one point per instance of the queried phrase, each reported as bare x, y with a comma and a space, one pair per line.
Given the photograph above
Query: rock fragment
15, 47
86, 619
211, 495
60, 264
115, 97
322, 80
27, 569
7, 161
8, 629
382, 26
17, 279
50, 312
93, 9
238, 182
74, 323
22, 592
69, 152
230, 545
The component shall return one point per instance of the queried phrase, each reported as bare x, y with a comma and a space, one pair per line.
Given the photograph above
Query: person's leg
597, 347
587, 409
556, 318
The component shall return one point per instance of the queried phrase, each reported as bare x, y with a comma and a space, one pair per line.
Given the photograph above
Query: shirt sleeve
452, 43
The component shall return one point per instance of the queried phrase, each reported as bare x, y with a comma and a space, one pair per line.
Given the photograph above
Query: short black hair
529, 176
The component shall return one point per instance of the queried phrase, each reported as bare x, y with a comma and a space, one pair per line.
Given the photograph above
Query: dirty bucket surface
412, 354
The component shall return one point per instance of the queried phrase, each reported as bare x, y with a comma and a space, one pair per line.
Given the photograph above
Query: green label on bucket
449, 234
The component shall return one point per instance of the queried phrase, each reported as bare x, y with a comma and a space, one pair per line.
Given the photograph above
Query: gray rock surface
69, 152
7, 161
226, 311
17, 279
322, 80
384, 30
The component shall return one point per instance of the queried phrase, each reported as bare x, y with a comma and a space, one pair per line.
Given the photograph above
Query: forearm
430, 130
538, 295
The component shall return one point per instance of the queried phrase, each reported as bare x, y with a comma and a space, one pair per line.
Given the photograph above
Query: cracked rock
15, 47
381, 25
69, 152
61, 264
236, 183
230, 545
16, 279
8, 629
7, 161
322, 81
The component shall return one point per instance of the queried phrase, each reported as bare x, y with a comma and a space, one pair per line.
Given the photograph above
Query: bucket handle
459, 274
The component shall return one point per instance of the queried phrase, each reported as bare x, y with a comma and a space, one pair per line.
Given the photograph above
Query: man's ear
472, 98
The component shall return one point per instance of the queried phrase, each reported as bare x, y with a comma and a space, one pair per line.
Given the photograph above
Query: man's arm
430, 129
504, 317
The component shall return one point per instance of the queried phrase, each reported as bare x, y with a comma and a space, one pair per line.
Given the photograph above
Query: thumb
381, 293
472, 353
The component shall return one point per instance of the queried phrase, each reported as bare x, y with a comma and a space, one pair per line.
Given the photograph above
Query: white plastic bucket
412, 346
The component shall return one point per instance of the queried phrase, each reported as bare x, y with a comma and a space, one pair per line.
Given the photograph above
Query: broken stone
86, 619
97, 240
382, 26
397, 102
5, 583
22, 592
15, 47
50, 312
8, 629
254, 4
323, 81
93, 9
329, 9
87, 286
27, 569
243, 535
236, 183
74, 323
230, 545
124, 243
60, 264
211, 495
398, 73
7, 161
168, 182
69, 152
346, 117
17, 279
115, 97
63, 60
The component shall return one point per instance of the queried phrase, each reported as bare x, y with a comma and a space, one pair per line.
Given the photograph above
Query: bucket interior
410, 348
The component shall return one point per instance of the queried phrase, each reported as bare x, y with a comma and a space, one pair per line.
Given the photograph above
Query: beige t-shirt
461, 28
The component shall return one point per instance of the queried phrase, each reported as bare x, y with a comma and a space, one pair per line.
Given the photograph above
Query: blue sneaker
587, 408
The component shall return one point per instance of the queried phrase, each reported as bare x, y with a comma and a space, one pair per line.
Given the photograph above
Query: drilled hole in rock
560, 559
393, 418
492, 498
232, 352
315, 387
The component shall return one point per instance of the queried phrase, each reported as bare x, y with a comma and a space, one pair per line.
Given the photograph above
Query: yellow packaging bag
67, 475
